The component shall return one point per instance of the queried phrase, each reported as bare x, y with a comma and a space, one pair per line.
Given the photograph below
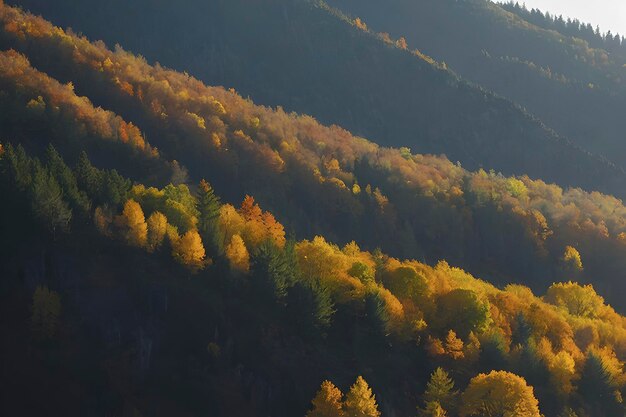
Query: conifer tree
47, 200
360, 401
597, 387
66, 179
208, 206
327, 402
440, 390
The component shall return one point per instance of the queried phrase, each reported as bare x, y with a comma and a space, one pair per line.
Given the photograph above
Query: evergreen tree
360, 402
47, 200
89, 178
208, 206
376, 314
440, 390
597, 387
66, 179
273, 270
327, 402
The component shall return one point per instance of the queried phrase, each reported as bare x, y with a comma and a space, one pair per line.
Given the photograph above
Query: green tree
208, 206
597, 386
440, 390
360, 401
67, 180
89, 178
462, 311
47, 200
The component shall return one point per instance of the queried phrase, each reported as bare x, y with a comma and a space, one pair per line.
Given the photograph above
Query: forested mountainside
306, 57
568, 79
318, 180
170, 248
572, 27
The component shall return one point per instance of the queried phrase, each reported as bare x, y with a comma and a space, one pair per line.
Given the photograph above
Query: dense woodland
312, 59
170, 248
573, 84
570, 27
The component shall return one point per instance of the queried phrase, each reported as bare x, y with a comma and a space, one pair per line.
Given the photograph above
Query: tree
571, 259
440, 390
499, 394
462, 311
134, 224
273, 270
230, 223
47, 200
597, 386
189, 251
88, 177
208, 206
275, 231
237, 254
157, 227
309, 308
433, 409
576, 299
327, 402
360, 402
46, 309
66, 179
454, 346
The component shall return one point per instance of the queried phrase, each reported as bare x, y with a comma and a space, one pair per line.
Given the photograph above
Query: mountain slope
321, 180
574, 88
301, 55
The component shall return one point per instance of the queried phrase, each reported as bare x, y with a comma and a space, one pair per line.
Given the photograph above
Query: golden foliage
189, 251
327, 402
237, 254
499, 393
134, 224
157, 228
360, 401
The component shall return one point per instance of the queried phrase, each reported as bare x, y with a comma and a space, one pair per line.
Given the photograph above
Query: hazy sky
609, 14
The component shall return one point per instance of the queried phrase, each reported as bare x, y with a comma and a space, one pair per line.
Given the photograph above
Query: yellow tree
571, 258
454, 346
499, 393
189, 251
576, 299
327, 402
134, 222
360, 402
237, 254
46, 310
157, 227
230, 223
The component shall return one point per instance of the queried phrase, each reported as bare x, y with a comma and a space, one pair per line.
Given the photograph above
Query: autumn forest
310, 208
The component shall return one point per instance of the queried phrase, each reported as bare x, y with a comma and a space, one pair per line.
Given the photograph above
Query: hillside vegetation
171, 248
572, 82
309, 58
